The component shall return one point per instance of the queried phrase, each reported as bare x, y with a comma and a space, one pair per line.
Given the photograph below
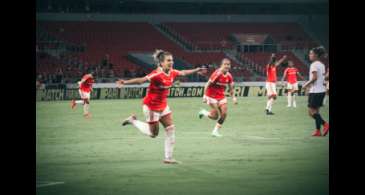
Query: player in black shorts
317, 90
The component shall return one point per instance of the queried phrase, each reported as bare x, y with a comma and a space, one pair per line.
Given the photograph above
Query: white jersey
318, 85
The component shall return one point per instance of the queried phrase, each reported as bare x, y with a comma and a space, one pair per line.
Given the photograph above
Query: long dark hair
319, 51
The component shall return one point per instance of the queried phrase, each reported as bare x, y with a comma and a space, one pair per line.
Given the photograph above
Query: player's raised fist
202, 70
120, 83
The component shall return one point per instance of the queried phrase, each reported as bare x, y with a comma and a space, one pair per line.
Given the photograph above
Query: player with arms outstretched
291, 74
271, 82
214, 95
155, 106
85, 88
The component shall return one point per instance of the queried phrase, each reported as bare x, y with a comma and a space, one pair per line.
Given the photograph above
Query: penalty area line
45, 184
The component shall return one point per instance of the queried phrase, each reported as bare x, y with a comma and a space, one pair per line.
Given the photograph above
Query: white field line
45, 184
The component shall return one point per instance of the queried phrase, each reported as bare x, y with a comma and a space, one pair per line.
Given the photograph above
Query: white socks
289, 99
169, 141
205, 112
169, 136
269, 104
142, 126
86, 108
216, 128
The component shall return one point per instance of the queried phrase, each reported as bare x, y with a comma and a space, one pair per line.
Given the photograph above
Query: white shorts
293, 86
270, 88
215, 101
84, 95
154, 116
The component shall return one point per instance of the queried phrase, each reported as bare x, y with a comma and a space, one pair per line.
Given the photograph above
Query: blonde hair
159, 56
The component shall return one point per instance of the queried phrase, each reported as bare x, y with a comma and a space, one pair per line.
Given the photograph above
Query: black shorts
315, 100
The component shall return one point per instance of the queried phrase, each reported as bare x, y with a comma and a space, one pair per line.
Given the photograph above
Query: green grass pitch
257, 154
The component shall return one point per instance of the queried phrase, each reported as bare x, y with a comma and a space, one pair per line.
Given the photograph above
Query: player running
317, 90
291, 74
214, 95
85, 88
271, 81
155, 106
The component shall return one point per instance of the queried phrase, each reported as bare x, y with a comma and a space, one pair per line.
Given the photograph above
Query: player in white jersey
317, 90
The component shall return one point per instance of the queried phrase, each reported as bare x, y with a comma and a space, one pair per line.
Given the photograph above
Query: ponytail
159, 56
319, 51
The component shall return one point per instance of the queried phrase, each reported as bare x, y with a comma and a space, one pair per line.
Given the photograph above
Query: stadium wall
109, 91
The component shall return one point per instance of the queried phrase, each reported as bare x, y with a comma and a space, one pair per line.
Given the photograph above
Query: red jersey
219, 83
87, 84
158, 90
291, 75
271, 73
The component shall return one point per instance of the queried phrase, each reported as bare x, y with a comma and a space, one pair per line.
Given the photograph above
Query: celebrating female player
155, 106
271, 81
85, 88
214, 95
291, 74
317, 90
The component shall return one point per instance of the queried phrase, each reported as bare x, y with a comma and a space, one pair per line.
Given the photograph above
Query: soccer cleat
294, 104
171, 161
316, 132
326, 128
288, 106
201, 113
269, 112
73, 104
128, 120
216, 134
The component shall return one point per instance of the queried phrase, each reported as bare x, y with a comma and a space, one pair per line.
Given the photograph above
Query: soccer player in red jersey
291, 74
155, 106
85, 88
214, 95
271, 81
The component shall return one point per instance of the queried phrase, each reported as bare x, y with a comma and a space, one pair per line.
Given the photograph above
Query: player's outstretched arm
192, 71
284, 75
281, 60
138, 81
